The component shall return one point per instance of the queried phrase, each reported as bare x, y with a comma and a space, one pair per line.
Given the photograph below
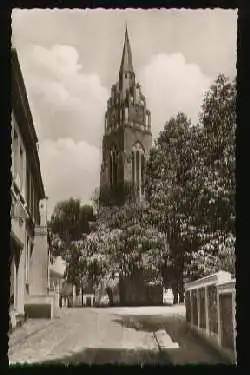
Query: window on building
27, 260
27, 186
33, 201
37, 211
30, 193
12, 277
31, 196
21, 169
16, 153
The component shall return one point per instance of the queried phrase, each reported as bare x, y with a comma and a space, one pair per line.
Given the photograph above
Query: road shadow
192, 347
152, 323
103, 356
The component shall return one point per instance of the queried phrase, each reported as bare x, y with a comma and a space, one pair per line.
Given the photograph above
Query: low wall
210, 311
39, 307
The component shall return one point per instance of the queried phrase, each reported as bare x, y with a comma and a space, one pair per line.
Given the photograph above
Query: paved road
138, 335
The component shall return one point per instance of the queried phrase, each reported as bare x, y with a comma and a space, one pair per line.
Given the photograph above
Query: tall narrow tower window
137, 168
142, 172
115, 169
110, 169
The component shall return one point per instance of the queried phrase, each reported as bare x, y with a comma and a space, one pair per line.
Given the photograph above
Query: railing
210, 310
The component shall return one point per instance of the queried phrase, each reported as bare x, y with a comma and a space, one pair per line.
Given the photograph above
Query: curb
163, 355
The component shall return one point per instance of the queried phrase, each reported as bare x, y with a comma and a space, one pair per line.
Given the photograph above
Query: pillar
234, 322
191, 308
198, 307
218, 315
74, 295
20, 284
206, 311
39, 263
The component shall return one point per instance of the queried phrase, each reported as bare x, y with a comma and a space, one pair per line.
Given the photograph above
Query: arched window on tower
110, 169
138, 166
142, 172
115, 169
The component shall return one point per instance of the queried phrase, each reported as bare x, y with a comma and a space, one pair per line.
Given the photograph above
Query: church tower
127, 138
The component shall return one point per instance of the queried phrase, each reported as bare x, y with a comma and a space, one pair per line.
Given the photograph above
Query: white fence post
234, 322
191, 308
218, 317
73, 296
206, 311
198, 307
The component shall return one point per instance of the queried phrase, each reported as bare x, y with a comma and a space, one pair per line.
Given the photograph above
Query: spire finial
126, 63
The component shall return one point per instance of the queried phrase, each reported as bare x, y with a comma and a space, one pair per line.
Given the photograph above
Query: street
128, 335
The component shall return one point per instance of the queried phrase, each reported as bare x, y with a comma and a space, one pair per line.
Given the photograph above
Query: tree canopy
69, 225
190, 185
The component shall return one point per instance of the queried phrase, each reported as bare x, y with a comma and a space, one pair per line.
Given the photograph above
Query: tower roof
126, 62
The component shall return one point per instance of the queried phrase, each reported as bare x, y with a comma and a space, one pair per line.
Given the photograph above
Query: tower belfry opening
127, 137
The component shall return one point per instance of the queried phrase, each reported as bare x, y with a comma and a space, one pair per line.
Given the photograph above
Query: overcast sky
70, 59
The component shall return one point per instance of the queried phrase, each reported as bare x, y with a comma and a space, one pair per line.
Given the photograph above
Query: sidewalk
31, 328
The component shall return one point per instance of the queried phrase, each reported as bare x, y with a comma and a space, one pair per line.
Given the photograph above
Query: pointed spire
126, 62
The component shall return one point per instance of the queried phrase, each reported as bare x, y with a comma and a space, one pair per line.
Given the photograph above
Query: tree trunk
82, 295
110, 295
175, 292
181, 284
181, 291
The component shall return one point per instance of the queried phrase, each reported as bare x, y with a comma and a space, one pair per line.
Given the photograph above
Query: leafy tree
69, 225
166, 190
214, 173
70, 220
190, 185
125, 242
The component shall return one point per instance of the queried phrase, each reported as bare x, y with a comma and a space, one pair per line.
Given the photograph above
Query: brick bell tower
127, 138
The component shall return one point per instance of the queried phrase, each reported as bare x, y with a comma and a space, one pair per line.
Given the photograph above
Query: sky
71, 58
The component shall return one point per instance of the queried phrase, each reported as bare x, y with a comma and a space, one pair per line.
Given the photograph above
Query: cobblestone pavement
108, 335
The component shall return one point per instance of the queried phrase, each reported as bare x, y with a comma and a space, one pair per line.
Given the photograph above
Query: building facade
28, 239
127, 138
